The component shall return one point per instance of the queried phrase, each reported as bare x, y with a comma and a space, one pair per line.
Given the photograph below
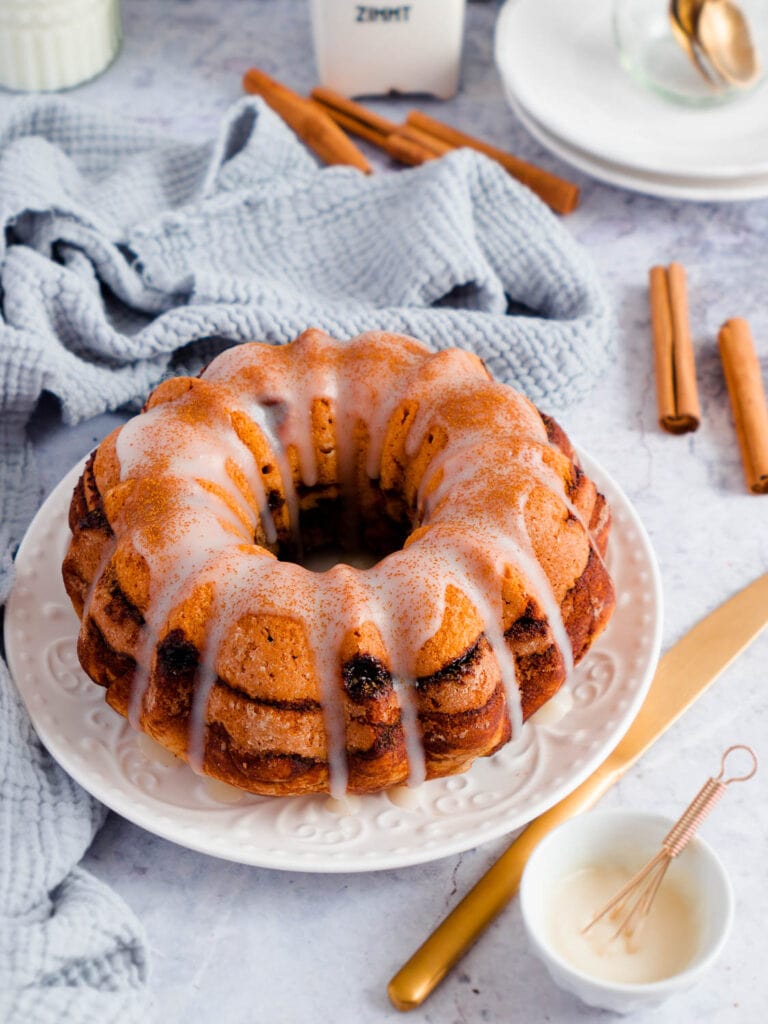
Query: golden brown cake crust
281, 681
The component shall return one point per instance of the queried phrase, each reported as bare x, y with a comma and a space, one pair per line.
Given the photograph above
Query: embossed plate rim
321, 840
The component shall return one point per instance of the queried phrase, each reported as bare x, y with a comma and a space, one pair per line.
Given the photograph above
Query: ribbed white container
54, 44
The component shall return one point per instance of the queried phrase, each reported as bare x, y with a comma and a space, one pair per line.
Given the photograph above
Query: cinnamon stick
334, 101
310, 122
745, 389
352, 125
561, 195
676, 392
432, 138
372, 127
429, 142
406, 150
400, 148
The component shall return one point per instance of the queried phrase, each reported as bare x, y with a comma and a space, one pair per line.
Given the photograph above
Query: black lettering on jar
383, 14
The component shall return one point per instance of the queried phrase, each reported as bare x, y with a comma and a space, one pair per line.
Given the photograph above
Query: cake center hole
332, 534
322, 559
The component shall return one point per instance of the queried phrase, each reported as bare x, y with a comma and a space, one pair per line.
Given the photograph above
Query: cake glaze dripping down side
469, 510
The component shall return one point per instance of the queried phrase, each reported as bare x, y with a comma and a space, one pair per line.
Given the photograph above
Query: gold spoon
723, 34
683, 18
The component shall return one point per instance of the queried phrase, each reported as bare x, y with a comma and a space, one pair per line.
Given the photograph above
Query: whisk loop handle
710, 794
634, 899
689, 821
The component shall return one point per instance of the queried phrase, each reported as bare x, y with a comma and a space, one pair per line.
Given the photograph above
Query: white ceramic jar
365, 49
47, 45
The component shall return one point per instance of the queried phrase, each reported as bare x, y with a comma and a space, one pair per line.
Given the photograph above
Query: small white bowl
628, 838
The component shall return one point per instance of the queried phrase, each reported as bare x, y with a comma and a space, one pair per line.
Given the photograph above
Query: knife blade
683, 674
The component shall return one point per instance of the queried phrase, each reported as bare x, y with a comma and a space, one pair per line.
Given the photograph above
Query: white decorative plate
668, 187
312, 833
543, 44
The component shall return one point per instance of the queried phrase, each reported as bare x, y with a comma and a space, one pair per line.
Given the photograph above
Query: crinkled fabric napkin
125, 256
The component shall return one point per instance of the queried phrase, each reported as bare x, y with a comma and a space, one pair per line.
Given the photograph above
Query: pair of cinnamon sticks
676, 391
323, 120
423, 138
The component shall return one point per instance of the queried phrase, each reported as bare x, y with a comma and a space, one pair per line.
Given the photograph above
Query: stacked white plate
563, 78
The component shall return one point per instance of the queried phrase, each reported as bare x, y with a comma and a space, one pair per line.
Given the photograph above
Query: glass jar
56, 44
686, 66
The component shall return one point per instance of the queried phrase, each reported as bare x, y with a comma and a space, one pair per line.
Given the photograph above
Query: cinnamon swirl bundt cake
190, 523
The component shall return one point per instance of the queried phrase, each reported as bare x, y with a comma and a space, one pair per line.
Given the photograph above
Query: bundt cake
190, 523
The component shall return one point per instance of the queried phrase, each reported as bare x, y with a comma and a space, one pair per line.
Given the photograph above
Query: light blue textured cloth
120, 248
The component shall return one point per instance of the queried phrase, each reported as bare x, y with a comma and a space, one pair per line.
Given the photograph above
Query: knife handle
417, 978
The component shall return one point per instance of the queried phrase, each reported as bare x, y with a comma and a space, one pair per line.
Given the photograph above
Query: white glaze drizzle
222, 792
106, 557
171, 584
267, 418
556, 486
508, 540
468, 547
155, 752
331, 619
409, 717
232, 599
205, 525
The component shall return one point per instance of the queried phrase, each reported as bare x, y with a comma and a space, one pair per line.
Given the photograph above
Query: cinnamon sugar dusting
462, 453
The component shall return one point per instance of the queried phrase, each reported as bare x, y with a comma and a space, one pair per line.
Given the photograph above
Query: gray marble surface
240, 944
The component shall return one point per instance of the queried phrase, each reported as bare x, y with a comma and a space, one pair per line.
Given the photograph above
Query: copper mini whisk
630, 906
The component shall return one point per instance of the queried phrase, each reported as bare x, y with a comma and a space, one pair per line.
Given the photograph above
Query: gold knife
683, 674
